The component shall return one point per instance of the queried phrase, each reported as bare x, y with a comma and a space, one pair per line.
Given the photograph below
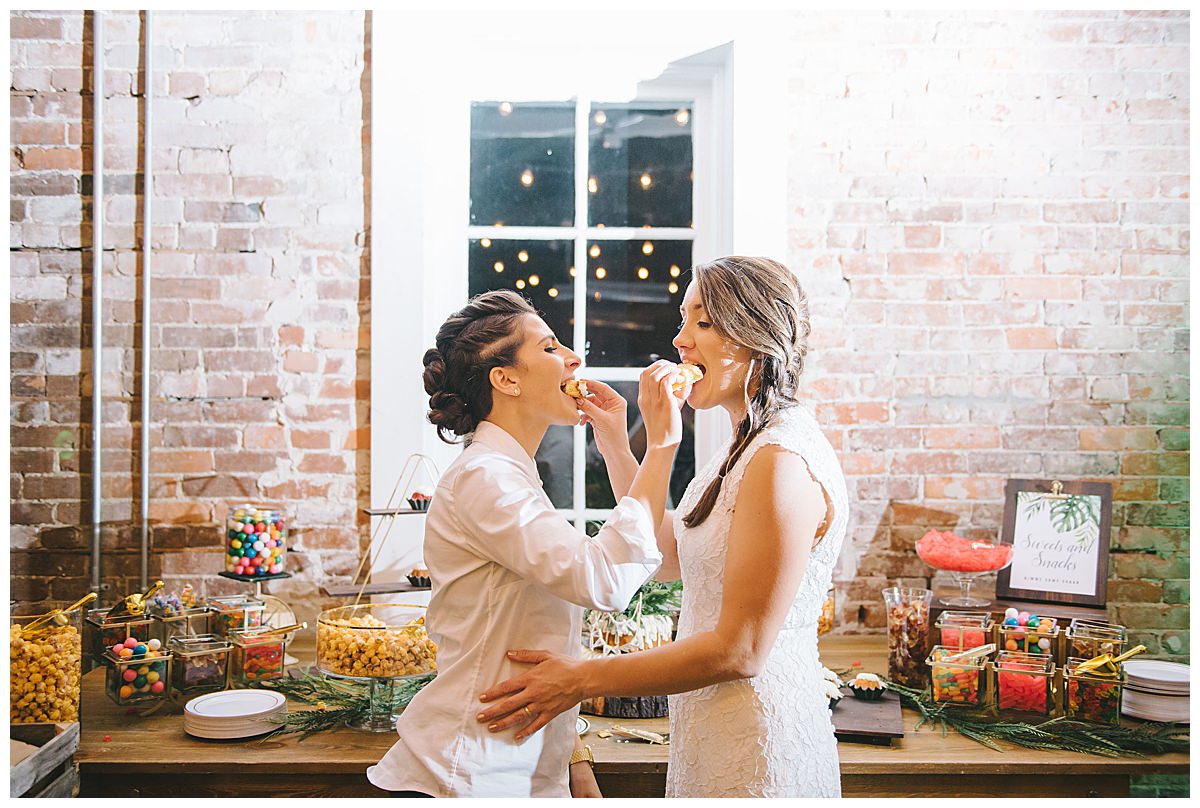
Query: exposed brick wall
991, 213
260, 371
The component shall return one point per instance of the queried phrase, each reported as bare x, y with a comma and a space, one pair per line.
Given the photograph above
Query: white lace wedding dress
771, 735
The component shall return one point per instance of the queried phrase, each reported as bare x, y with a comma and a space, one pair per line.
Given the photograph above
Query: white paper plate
1157, 673
1155, 715
581, 725
236, 704
228, 735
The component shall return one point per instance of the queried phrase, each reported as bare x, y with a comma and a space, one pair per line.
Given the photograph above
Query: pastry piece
686, 374
419, 576
575, 388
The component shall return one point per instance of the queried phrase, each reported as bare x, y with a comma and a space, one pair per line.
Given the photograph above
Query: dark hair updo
482, 335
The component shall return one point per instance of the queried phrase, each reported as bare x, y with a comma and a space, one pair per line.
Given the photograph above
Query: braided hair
756, 303
482, 335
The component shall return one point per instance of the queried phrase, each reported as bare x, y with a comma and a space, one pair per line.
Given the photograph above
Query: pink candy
949, 551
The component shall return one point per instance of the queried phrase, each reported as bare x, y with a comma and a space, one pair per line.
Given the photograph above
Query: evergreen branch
336, 702
1056, 733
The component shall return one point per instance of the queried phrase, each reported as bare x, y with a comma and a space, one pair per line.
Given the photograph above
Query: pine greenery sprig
658, 597
337, 701
1056, 733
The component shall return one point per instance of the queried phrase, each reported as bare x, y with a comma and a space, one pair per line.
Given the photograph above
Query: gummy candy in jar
256, 539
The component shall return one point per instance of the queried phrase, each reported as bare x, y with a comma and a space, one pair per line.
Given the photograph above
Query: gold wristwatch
580, 755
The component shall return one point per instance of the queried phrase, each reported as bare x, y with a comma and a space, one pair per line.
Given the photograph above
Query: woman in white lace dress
754, 540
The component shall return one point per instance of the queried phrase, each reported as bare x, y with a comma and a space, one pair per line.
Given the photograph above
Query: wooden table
151, 756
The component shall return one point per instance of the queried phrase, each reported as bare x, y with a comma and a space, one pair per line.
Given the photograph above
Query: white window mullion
579, 452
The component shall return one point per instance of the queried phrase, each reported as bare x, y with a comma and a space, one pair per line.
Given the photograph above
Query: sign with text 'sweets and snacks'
1060, 534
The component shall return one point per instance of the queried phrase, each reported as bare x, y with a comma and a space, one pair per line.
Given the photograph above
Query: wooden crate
50, 771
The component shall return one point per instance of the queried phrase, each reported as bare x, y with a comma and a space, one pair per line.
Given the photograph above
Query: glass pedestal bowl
965, 560
380, 644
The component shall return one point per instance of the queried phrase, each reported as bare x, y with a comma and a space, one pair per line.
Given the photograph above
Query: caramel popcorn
366, 646
44, 673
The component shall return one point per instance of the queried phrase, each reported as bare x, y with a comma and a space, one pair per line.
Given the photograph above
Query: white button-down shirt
508, 572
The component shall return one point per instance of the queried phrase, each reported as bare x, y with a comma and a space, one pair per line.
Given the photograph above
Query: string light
601, 272
522, 256
534, 280
485, 243
674, 271
594, 251
592, 186
643, 273
552, 292
600, 118
527, 178
505, 108
498, 266
520, 284
647, 248
646, 181
672, 287
596, 297
571, 272
682, 117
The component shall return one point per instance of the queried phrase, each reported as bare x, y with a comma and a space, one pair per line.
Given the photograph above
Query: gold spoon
56, 616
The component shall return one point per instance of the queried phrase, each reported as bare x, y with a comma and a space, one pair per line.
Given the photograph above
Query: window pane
522, 164
598, 492
640, 166
543, 277
555, 466
634, 289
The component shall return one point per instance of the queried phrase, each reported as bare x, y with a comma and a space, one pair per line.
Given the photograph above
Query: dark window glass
539, 270
639, 167
522, 164
634, 289
597, 491
555, 466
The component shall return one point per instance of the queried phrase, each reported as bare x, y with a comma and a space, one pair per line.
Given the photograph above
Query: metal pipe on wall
97, 273
147, 191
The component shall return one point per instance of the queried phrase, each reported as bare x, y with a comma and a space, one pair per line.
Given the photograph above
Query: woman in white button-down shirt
508, 571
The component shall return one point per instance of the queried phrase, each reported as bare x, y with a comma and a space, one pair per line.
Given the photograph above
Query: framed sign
1060, 534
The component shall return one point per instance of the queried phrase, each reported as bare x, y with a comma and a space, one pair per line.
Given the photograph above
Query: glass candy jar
200, 663
45, 667
234, 612
963, 630
1024, 683
1092, 695
137, 678
256, 539
257, 655
956, 682
908, 635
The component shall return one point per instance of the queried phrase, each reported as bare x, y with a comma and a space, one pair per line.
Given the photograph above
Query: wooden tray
876, 722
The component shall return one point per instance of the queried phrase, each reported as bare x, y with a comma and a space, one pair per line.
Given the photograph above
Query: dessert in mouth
575, 388
686, 374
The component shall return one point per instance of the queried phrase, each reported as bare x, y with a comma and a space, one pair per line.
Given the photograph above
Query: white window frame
426, 68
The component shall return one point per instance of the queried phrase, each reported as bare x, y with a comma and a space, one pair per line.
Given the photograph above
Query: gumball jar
139, 670
256, 539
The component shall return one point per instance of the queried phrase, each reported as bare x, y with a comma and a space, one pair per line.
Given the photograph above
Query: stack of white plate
234, 713
1157, 690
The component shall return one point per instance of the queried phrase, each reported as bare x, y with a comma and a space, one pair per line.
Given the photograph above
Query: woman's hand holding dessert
660, 406
605, 410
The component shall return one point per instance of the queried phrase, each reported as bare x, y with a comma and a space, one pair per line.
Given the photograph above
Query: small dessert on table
419, 576
866, 686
